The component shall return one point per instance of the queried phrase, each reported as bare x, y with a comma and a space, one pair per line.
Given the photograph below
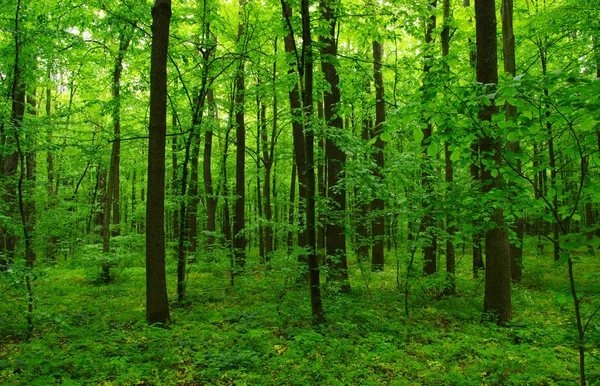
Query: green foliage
259, 332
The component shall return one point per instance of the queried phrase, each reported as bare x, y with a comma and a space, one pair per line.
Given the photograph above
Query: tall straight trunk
111, 203
362, 224
29, 184
290, 235
297, 129
239, 238
267, 150
429, 250
309, 167
261, 127
321, 178
551, 160
157, 306
51, 246
448, 167
335, 244
174, 177
211, 200
11, 159
497, 297
477, 248
378, 205
227, 235
508, 49
192, 212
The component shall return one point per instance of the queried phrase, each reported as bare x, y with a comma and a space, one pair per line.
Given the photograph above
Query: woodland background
403, 160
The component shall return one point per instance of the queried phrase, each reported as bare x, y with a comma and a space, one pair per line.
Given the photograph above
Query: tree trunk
429, 250
508, 49
157, 306
211, 200
309, 167
378, 205
297, 130
497, 298
335, 234
239, 238
448, 167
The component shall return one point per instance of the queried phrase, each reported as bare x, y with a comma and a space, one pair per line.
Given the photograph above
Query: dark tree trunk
157, 306
508, 49
362, 223
497, 298
477, 236
335, 236
297, 130
378, 206
211, 200
51, 246
429, 250
239, 238
309, 167
448, 169
290, 235
321, 178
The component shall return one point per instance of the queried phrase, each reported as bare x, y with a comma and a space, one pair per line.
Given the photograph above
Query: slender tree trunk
211, 200
297, 130
362, 224
335, 237
508, 49
448, 167
290, 236
429, 250
157, 306
239, 238
309, 170
378, 205
497, 297
321, 190
261, 127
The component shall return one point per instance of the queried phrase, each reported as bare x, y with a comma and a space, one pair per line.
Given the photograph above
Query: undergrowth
259, 332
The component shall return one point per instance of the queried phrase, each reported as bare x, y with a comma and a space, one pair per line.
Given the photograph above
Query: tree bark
335, 233
157, 306
448, 167
429, 250
309, 168
211, 200
497, 297
239, 238
508, 49
378, 205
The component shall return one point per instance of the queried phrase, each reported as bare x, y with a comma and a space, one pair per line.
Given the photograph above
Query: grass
259, 332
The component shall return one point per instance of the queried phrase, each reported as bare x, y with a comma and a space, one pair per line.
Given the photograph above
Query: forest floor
259, 331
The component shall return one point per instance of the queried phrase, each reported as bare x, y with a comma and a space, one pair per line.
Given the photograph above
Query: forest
300, 192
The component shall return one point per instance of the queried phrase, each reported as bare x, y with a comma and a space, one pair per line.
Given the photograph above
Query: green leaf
513, 136
455, 155
385, 136
576, 217
418, 135
432, 149
494, 173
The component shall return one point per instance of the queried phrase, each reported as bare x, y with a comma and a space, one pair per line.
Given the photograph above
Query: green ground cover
259, 332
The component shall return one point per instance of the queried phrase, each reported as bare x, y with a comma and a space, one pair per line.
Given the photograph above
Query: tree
335, 233
239, 238
378, 205
428, 222
157, 306
497, 297
309, 166
508, 49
